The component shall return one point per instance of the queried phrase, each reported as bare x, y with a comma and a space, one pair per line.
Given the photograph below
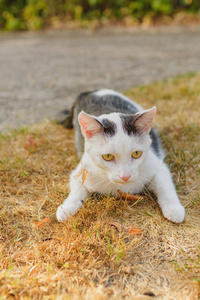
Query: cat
118, 150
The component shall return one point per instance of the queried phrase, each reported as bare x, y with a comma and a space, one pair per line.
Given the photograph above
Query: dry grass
86, 258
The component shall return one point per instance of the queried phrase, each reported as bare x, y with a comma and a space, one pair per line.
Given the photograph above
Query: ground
87, 257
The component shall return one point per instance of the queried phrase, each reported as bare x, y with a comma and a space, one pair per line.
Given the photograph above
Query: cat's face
117, 143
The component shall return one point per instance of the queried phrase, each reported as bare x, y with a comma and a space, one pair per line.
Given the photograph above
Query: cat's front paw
60, 214
64, 211
174, 213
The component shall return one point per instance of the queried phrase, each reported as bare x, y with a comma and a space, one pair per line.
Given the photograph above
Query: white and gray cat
119, 150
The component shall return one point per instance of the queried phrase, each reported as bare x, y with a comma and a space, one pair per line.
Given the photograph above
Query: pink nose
125, 178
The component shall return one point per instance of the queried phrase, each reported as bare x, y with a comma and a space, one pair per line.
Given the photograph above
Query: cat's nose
125, 178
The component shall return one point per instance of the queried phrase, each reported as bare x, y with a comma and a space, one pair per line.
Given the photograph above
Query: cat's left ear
89, 125
145, 119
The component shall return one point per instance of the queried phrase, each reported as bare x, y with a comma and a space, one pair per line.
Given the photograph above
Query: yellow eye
136, 154
108, 157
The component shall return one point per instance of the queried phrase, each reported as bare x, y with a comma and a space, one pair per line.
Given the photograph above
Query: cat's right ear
89, 125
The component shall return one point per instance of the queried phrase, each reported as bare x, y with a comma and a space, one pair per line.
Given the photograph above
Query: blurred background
37, 14
52, 50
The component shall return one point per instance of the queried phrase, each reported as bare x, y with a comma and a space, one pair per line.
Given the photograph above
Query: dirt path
41, 73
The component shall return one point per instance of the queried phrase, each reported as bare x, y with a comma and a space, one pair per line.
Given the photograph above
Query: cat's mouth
121, 181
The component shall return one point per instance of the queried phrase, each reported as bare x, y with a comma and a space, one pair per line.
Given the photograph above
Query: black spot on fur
109, 127
128, 124
131, 129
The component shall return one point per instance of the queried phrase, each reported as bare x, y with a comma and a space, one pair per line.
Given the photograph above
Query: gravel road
41, 73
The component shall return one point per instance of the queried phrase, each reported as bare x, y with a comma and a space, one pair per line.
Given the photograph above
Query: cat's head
117, 143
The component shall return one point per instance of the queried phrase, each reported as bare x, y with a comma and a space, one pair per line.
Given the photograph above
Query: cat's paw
64, 211
60, 214
174, 213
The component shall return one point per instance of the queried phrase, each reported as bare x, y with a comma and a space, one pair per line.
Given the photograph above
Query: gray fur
128, 124
109, 127
96, 105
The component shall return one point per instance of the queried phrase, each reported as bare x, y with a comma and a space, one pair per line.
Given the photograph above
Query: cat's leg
168, 200
78, 194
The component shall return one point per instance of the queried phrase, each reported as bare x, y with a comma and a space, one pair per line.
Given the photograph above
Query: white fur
106, 176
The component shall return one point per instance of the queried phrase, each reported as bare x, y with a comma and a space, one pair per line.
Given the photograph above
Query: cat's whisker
104, 184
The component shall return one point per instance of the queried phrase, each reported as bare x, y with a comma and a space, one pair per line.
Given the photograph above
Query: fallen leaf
30, 142
133, 230
42, 223
128, 196
127, 270
82, 172
116, 225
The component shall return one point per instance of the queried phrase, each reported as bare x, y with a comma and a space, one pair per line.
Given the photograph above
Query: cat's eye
136, 154
108, 157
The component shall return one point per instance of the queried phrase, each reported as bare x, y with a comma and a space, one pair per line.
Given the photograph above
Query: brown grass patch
87, 257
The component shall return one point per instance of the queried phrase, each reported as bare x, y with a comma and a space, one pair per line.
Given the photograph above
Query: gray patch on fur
156, 143
99, 105
128, 124
131, 129
109, 127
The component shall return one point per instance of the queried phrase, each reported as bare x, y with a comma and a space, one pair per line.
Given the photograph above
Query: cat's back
104, 101
98, 102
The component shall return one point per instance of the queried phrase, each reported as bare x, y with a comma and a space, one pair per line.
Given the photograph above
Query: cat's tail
65, 118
